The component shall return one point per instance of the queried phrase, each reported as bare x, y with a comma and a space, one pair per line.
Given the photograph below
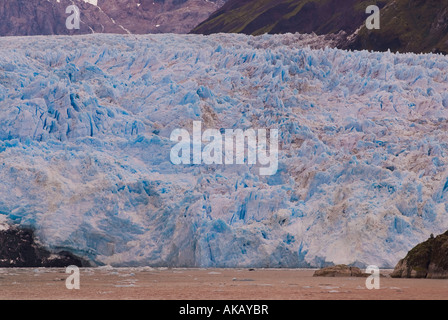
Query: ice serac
85, 126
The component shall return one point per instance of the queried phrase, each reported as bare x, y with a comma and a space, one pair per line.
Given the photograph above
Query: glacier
85, 125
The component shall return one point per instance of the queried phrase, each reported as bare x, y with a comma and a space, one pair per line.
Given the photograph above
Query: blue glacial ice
85, 126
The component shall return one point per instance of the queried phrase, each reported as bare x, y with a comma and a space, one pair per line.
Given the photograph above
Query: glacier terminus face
227, 148
85, 144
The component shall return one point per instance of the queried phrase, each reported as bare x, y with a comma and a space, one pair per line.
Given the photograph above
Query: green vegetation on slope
409, 26
428, 259
281, 16
406, 25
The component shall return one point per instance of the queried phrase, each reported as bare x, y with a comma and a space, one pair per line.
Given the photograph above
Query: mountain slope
48, 17
406, 25
281, 16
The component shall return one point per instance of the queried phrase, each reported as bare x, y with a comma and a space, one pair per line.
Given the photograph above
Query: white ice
84, 149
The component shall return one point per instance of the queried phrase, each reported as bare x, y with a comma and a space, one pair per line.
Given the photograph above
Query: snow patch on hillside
93, 2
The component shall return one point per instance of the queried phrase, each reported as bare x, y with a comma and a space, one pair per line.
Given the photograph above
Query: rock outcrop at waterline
18, 248
428, 259
341, 270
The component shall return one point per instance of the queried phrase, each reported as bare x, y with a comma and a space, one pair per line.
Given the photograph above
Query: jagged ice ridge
84, 149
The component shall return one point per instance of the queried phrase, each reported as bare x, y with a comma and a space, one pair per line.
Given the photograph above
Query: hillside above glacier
85, 126
406, 26
49, 17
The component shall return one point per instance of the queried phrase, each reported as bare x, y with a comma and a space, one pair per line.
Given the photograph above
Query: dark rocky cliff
429, 259
18, 248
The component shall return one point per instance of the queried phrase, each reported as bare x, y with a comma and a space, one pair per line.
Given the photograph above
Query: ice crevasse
85, 126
